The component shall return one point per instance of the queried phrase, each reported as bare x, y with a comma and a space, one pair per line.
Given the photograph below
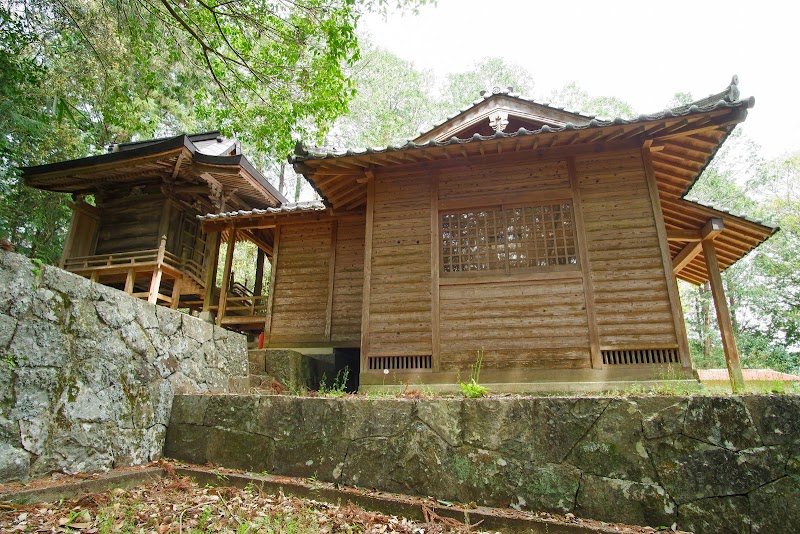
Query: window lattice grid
510, 239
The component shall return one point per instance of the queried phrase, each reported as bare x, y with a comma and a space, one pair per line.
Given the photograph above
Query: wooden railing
111, 260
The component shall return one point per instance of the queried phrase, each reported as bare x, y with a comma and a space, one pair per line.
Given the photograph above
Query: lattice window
509, 239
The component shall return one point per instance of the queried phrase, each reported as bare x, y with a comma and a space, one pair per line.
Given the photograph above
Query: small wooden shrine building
547, 240
141, 234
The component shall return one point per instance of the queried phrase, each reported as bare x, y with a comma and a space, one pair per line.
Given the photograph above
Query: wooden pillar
723, 317
130, 281
367, 270
212, 248
176, 293
258, 287
436, 250
276, 244
331, 277
155, 280
226, 276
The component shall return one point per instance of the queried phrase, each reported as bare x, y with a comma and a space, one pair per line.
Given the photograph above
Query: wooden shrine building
547, 240
141, 233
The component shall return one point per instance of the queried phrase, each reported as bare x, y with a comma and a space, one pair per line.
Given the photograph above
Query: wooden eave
684, 221
681, 147
173, 160
341, 179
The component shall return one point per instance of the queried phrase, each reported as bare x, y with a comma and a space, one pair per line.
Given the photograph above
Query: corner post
723, 317
212, 248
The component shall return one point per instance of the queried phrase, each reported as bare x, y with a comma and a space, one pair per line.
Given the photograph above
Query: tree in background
460, 89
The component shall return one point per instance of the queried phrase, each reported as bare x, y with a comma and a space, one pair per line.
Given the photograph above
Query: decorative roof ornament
496, 90
498, 120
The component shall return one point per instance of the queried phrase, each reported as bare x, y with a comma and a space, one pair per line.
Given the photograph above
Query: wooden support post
130, 281
212, 246
583, 256
331, 277
155, 280
436, 251
669, 275
226, 276
367, 269
176, 293
258, 286
723, 317
273, 277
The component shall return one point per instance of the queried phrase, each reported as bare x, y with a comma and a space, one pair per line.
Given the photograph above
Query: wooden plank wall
300, 295
630, 287
519, 324
348, 281
399, 320
130, 224
533, 324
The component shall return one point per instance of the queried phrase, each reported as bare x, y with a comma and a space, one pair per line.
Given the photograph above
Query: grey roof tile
309, 206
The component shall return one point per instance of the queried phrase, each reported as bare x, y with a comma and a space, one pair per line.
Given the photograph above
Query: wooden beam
176, 293
583, 250
130, 281
712, 229
223, 291
684, 235
723, 317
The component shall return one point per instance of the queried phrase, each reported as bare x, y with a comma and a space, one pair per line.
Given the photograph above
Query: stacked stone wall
87, 373
705, 464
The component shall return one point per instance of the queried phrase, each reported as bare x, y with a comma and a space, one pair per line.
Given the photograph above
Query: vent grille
399, 363
640, 356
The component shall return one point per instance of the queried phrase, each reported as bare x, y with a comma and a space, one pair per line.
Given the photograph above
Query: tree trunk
282, 179
298, 186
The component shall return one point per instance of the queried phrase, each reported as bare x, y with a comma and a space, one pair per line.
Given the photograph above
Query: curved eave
339, 176
174, 157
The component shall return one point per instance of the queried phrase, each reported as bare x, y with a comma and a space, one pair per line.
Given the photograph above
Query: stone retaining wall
87, 373
707, 464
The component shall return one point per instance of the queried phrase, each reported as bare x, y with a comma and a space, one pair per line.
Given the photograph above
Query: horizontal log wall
630, 286
299, 302
400, 281
519, 324
348, 281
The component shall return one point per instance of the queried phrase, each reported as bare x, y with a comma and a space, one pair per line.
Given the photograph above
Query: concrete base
629, 386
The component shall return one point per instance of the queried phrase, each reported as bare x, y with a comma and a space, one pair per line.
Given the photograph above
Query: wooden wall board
348, 283
624, 252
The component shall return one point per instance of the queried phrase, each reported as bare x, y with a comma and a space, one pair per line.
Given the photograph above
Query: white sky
638, 50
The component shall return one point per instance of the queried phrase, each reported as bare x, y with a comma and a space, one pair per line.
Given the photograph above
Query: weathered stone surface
492, 451
87, 373
15, 463
624, 501
614, 446
692, 470
288, 367
721, 421
775, 507
724, 515
777, 418
661, 416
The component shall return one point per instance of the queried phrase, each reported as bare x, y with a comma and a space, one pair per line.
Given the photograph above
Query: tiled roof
486, 95
285, 208
312, 153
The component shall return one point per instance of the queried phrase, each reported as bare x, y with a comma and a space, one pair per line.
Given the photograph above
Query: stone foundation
707, 464
87, 373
